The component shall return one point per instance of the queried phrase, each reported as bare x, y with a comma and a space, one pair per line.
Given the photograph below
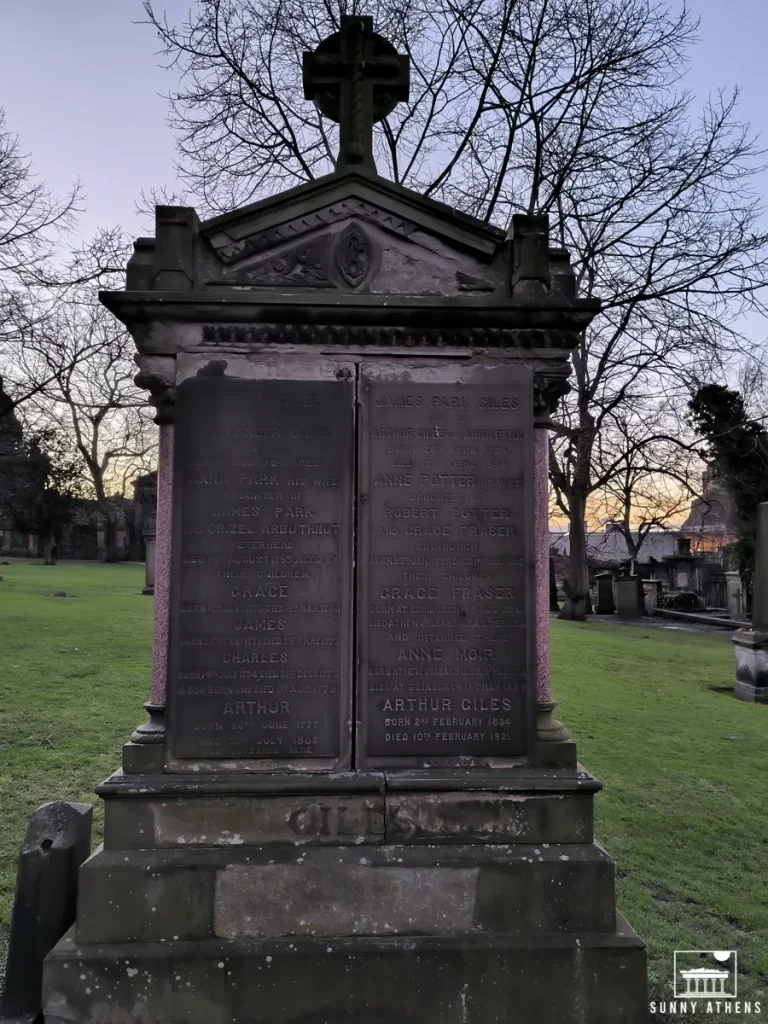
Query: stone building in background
693, 555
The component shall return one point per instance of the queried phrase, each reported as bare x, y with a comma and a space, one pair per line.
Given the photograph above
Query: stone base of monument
589, 977
751, 647
431, 898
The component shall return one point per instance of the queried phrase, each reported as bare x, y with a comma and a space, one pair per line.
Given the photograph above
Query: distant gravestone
145, 497
734, 595
627, 603
554, 604
57, 842
652, 591
605, 603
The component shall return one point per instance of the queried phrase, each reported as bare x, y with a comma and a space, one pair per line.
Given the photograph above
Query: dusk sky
82, 86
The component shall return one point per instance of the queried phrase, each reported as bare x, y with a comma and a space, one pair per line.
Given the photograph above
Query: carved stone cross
356, 78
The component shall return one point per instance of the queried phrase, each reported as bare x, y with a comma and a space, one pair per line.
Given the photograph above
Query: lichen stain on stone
213, 368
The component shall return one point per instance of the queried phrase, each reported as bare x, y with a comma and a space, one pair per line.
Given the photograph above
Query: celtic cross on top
356, 78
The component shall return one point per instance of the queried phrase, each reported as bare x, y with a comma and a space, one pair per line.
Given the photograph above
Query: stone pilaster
145, 751
158, 375
751, 645
553, 744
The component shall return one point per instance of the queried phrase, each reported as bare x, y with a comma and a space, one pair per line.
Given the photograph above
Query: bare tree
497, 87
85, 358
574, 108
33, 222
31, 217
646, 474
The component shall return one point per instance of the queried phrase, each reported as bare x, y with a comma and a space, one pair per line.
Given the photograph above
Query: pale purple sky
82, 86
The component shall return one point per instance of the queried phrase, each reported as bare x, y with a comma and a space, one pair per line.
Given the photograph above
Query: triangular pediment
355, 232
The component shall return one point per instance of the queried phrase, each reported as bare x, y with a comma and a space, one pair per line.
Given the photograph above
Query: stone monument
752, 644
57, 841
145, 502
628, 601
554, 603
605, 601
734, 595
351, 801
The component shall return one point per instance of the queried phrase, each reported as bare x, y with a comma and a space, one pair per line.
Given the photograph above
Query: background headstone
651, 595
554, 604
145, 500
605, 602
57, 842
627, 604
734, 596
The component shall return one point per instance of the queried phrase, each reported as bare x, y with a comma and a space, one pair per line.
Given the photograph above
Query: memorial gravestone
605, 602
145, 503
628, 605
57, 841
352, 800
554, 604
734, 595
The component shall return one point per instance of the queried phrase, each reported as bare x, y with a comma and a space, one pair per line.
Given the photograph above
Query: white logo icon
705, 973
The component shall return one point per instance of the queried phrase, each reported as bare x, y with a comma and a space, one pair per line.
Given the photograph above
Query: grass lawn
684, 767
74, 672
683, 763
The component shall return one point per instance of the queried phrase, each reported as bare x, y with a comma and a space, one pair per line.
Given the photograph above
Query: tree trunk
576, 586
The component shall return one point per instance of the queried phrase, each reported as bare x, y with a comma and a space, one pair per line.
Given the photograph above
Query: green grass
74, 672
684, 767
683, 763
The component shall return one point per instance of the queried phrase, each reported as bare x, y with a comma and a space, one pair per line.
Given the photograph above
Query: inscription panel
445, 608
260, 636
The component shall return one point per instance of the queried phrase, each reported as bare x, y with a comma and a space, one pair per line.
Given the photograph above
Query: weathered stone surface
445, 627
551, 979
560, 892
153, 895
243, 821
58, 840
139, 898
519, 779
259, 656
142, 758
399, 816
461, 817
529, 804
751, 651
341, 900
627, 601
